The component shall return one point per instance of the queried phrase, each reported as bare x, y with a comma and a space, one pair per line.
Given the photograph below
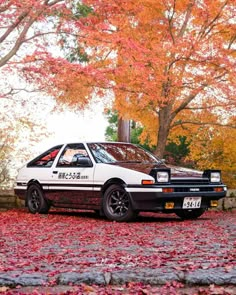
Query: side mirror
84, 162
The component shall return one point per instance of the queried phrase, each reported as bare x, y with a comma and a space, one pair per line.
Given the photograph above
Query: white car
116, 179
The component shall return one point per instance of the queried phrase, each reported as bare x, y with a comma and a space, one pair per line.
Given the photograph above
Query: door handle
54, 172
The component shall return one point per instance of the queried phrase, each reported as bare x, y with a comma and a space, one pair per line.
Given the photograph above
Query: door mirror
84, 162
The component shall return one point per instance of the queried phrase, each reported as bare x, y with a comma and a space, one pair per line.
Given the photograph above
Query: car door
40, 168
72, 178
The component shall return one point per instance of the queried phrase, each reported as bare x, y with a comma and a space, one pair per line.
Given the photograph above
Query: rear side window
46, 159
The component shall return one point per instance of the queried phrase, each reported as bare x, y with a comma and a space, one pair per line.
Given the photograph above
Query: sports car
117, 180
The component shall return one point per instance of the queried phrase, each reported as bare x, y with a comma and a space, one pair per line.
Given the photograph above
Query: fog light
218, 189
169, 205
167, 190
214, 203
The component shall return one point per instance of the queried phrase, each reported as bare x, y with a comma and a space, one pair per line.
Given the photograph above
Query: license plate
192, 202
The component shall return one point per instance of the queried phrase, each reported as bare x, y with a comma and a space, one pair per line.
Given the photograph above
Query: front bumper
153, 198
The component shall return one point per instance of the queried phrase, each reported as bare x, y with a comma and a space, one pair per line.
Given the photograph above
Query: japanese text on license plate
192, 202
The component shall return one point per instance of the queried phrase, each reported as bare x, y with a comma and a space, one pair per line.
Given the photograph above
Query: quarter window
46, 159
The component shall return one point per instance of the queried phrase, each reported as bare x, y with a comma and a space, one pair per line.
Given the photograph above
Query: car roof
99, 142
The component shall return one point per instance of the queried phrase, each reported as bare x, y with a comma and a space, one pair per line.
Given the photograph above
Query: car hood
176, 171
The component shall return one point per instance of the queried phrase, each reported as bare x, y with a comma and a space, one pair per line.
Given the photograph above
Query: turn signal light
214, 203
147, 181
218, 189
169, 205
168, 190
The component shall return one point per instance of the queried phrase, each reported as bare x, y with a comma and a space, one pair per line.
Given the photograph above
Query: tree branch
21, 39
232, 41
208, 28
187, 16
14, 25
51, 3
180, 122
17, 45
170, 21
183, 104
4, 8
206, 107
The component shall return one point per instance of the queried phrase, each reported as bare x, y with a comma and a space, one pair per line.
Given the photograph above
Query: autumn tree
166, 57
169, 63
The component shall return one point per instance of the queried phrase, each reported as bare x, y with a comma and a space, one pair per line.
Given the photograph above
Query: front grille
187, 189
189, 181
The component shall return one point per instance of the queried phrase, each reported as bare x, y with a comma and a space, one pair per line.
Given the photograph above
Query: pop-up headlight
215, 177
162, 176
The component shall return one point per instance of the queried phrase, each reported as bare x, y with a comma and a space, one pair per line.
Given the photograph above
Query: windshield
120, 152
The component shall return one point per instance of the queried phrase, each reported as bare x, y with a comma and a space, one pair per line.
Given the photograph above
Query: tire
117, 204
36, 202
190, 214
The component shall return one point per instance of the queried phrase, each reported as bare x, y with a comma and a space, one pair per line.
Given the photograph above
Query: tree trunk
123, 130
163, 131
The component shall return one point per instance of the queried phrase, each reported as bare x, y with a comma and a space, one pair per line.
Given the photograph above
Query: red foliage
72, 241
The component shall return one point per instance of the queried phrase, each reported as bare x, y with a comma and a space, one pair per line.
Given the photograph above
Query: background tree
27, 27
20, 130
18, 29
112, 130
4, 173
176, 149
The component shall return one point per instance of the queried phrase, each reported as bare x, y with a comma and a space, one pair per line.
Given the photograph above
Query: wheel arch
44, 203
111, 181
109, 187
34, 181
115, 180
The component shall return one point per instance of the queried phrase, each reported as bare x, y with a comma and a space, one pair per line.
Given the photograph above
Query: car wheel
190, 214
117, 204
36, 201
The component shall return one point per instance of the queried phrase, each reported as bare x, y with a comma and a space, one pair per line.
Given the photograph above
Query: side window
46, 159
71, 155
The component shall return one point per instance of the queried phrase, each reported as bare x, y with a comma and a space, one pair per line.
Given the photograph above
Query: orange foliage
162, 57
215, 148
170, 64
211, 146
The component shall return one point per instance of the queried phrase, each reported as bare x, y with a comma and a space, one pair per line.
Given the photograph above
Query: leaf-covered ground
130, 257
